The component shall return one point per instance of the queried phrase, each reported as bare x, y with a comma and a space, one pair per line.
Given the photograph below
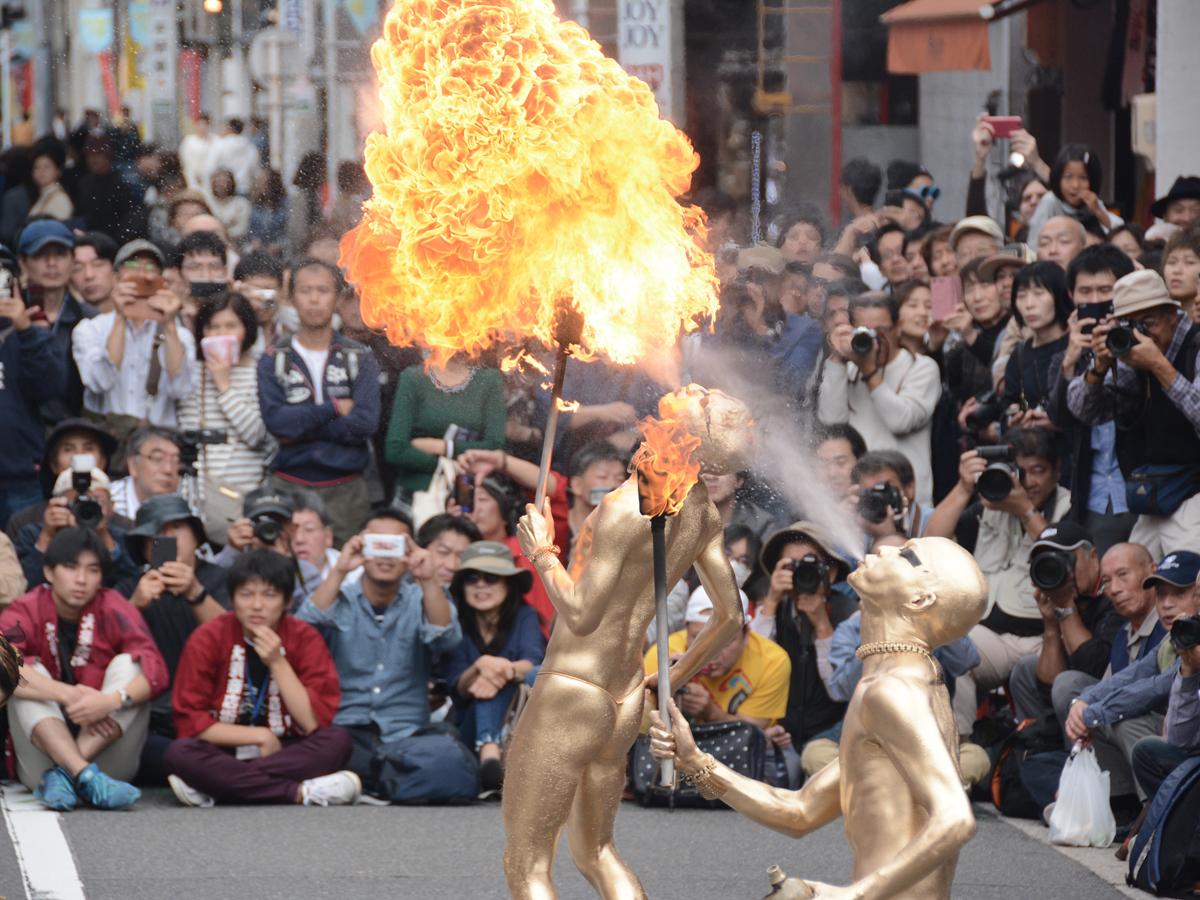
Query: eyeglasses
158, 458
911, 557
488, 578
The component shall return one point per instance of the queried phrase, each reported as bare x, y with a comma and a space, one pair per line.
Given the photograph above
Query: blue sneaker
103, 792
57, 790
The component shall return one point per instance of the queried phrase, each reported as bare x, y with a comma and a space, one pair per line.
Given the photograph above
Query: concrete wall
1178, 129
880, 143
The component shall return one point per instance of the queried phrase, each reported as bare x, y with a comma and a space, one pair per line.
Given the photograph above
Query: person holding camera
805, 601
384, 632
1041, 305
1153, 757
267, 523
135, 361
883, 390
1079, 623
886, 489
1018, 496
1144, 378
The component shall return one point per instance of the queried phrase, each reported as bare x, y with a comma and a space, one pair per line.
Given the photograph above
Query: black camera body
997, 480
873, 502
863, 340
1185, 632
267, 527
1120, 339
809, 573
1051, 569
85, 508
986, 411
190, 442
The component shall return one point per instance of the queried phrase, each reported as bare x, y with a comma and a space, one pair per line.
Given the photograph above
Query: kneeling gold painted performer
566, 764
896, 779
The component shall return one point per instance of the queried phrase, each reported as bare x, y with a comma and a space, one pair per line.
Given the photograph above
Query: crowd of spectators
210, 469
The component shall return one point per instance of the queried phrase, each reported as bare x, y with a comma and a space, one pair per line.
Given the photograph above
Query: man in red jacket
79, 717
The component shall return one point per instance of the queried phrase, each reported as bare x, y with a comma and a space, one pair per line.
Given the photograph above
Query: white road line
47, 866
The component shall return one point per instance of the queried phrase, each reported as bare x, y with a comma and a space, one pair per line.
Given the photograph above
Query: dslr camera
1185, 632
190, 442
268, 514
1121, 340
809, 572
85, 508
873, 502
863, 340
987, 410
1051, 569
997, 480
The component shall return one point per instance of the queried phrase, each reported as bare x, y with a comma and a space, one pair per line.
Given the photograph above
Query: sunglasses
482, 578
911, 557
930, 192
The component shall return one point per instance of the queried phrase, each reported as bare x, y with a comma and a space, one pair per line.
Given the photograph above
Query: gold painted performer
567, 760
896, 780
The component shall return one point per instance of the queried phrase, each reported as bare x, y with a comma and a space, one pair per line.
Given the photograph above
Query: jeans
17, 495
482, 720
1153, 759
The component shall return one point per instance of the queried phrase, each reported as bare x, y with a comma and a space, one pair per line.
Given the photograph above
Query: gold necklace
876, 647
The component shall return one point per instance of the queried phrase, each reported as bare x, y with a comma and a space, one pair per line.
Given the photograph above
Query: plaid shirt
1097, 403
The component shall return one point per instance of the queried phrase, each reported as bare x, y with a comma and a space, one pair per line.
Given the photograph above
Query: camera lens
872, 507
808, 574
1119, 340
862, 340
87, 512
267, 529
996, 482
1050, 569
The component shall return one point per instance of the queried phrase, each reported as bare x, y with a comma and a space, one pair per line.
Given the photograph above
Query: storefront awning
942, 35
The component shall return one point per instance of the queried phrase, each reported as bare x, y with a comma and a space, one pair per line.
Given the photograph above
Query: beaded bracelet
537, 554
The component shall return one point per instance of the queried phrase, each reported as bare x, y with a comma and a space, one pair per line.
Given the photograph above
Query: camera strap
155, 371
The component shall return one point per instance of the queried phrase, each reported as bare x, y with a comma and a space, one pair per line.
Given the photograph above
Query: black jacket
810, 710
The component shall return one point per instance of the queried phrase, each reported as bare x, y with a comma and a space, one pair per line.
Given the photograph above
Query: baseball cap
1179, 569
138, 247
1062, 536
979, 224
1138, 291
266, 502
42, 233
1014, 256
700, 607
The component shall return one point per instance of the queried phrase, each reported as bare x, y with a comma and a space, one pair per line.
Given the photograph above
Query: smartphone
947, 294
1097, 311
163, 550
1003, 126
464, 492
221, 347
383, 546
144, 285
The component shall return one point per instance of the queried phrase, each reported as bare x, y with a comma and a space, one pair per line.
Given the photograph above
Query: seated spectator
259, 278
1154, 758
136, 361
78, 718
1124, 568
886, 392
1042, 305
10, 669
232, 210
873, 474
1061, 240
1181, 269
385, 630
254, 701
837, 449
93, 272
447, 537
266, 524
312, 533
728, 494
501, 645
1076, 180
805, 601
154, 465
1001, 532
975, 237
1079, 623
1116, 713
319, 395
1153, 401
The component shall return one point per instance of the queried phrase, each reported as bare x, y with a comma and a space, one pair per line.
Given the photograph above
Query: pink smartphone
221, 347
1003, 126
947, 295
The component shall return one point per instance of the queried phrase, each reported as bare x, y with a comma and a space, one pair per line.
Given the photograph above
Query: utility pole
330, 17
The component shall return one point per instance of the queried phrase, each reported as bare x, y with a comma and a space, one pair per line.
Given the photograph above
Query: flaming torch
524, 191
666, 472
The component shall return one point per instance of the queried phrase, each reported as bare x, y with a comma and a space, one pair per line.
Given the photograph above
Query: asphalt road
161, 851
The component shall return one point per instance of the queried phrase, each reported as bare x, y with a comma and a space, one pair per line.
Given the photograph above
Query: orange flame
665, 463
568, 406
521, 170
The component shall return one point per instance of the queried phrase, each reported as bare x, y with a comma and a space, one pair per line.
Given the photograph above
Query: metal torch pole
658, 538
560, 371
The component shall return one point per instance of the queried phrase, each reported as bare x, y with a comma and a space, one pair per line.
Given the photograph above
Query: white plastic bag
1082, 816
432, 501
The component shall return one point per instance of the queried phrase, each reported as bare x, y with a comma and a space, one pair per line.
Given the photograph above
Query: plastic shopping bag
1082, 816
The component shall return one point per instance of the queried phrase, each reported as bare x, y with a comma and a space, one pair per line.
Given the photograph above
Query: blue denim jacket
1139, 688
384, 669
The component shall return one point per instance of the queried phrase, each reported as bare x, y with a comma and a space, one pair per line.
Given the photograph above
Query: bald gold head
723, 424
932, 584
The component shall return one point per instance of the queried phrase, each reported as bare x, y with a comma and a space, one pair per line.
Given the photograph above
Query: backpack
1024, 755
1165, 858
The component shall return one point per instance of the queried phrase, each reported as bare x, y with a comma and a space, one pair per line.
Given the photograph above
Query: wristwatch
126, 700
199, 598
1064, 612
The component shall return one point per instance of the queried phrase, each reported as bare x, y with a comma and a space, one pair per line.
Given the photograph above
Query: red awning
937, 36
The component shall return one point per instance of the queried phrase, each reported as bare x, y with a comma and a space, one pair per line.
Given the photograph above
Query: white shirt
125, 499
238, 154
112, 389
314, 360
195, 157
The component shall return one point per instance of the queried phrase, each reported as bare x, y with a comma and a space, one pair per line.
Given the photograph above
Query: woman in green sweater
430, 401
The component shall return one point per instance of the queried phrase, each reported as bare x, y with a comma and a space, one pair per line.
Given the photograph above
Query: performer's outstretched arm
726, 620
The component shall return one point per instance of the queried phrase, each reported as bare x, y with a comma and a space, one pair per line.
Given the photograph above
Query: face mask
741, 572
598, 494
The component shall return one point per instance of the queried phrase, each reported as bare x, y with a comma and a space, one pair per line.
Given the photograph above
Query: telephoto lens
862, 340
997, 480
808, 573
1051, 569
1185, 632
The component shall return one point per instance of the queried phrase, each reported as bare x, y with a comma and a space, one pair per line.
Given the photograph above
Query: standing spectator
1130, 239
49, 158
90, 660
596, 469
888, 253
184, 207
104, 200
837, 449
975, 237
231, 208
353, 190
19, 193
939, 256
29, 370
1181, 269
202, 258
1181, 205
427, 403
886, 392
195, 154
1075, 183
235, 152
136, 361
1155, 404
259, 278
93, 272
802, 236
305, 215
1042, 305
1060, 240
254, 701
268, 213
319, 395
914, 305
860, 183
501, 645
384, 632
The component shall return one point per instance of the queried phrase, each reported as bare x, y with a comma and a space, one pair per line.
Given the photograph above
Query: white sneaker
339, 789
188, 795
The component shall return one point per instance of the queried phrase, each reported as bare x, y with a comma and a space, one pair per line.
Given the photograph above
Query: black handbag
738, 745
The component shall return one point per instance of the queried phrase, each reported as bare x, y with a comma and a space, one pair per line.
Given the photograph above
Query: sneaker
339, 789
188, 795
104, 792
57, 790
491, 779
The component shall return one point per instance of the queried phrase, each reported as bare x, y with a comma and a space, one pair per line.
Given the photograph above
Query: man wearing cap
384, 632
1181, 205
44, 254
1060, 240
1079, 623
267, 524
1117, 712
1155, 405
1000, 269
138, 360
805, 601
975, 236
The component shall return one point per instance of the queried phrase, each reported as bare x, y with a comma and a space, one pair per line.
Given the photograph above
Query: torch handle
658, 538
560, 371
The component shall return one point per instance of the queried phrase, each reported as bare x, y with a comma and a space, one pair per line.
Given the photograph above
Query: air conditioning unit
1145, 119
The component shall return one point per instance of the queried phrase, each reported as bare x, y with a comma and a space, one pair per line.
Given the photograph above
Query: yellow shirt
756, 686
